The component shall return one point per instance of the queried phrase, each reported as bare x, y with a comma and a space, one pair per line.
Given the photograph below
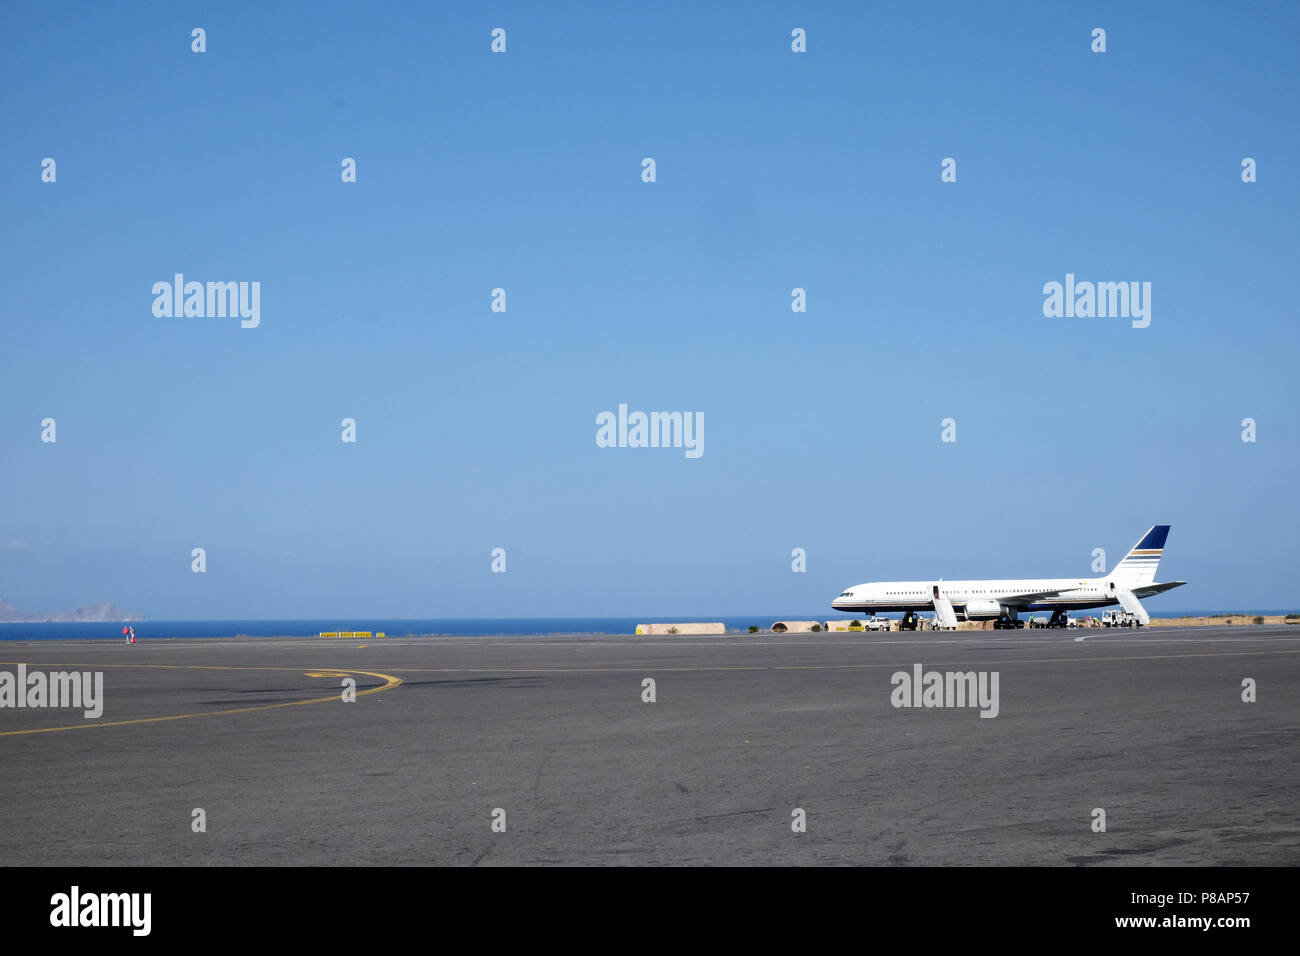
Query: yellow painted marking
359, 646
390, 683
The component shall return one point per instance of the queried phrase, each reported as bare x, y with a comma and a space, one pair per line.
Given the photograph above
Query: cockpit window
845, 594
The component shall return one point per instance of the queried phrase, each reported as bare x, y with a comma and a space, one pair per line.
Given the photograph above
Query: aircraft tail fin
1138, 567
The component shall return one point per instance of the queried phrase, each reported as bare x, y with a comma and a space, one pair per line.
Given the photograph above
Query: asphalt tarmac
551, 737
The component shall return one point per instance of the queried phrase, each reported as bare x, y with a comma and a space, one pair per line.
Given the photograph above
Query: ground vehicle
1119, 618
914, 622
1056, 620
876, 623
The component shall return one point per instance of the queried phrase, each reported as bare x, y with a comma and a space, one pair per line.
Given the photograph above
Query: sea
402, 627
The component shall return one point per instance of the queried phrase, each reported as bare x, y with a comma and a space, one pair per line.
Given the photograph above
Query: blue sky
522, 170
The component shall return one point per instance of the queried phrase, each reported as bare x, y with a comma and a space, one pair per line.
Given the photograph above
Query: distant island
100, 611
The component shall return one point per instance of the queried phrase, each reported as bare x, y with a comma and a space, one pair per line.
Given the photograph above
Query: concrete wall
716, 628
794, 627
844, 625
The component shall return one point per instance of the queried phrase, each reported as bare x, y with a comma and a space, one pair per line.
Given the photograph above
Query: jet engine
983, 610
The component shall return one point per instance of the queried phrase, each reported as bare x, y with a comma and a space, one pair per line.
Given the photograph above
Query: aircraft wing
1029, 597
1150, 589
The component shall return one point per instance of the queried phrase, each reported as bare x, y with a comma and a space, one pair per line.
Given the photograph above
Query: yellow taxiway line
390, 683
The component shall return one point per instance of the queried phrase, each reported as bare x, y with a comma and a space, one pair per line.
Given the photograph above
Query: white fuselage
976, 599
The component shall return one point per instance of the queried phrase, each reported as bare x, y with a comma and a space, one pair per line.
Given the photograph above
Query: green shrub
816, 628
753, 629
1259, 619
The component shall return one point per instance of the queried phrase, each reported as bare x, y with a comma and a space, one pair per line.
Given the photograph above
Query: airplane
1002, 601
